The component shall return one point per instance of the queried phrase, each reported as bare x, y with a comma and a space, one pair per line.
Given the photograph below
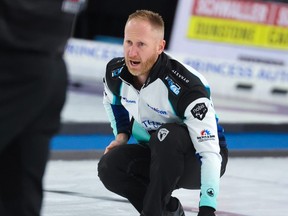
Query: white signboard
232, 29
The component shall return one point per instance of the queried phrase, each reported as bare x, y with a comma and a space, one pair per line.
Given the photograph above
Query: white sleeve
108, 100
201, 123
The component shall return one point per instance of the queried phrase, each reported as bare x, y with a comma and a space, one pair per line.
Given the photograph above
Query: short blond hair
153, 18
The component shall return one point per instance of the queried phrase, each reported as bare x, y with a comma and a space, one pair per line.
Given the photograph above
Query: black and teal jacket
173, 93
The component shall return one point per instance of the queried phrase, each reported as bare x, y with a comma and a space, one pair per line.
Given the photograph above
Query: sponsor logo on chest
128, 100
157, 110
151, 125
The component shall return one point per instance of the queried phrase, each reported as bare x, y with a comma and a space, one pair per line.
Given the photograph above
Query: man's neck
139, 81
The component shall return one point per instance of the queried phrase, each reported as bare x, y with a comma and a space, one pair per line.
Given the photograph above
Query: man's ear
161, 46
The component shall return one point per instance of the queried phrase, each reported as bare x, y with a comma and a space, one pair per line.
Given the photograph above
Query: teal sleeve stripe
139, 133
117, 98
208, 91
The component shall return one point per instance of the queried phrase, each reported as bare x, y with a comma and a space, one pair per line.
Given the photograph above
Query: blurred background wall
249, 78
108, 17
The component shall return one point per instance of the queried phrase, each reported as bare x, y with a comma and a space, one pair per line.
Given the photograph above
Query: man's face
142, 46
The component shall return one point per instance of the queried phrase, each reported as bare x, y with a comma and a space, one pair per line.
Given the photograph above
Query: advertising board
232, 29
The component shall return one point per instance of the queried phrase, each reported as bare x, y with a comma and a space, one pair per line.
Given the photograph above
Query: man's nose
132, 51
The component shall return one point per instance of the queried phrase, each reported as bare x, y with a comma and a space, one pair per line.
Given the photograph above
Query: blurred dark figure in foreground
33, 80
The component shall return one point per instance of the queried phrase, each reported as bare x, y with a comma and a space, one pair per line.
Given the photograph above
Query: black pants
147, 176
32, 94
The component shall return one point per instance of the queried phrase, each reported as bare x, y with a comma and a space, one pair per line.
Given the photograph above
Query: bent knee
106, 167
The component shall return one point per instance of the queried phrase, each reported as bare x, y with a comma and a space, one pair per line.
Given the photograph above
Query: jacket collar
156, 71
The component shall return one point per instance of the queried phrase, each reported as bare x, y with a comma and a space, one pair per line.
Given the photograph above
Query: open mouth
134, 63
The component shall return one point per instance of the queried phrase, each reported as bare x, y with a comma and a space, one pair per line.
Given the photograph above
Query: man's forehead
138, 23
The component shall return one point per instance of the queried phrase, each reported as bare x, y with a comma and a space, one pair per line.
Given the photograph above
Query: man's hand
112, 145
121, 139
206, 211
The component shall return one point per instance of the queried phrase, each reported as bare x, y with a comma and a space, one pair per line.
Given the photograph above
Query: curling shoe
178, 212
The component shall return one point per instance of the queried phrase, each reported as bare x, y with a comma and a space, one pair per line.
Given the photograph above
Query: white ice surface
250, 187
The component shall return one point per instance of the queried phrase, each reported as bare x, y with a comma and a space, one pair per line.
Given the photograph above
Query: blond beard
146, 66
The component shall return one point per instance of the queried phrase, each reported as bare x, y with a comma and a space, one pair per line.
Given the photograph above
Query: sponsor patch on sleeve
205, 135
173, 86
199, 111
